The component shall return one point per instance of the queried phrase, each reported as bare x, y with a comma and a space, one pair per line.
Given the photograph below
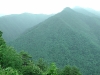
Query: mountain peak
67, 9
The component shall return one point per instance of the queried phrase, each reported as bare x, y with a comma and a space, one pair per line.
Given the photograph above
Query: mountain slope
87, 11
65, 38
94, 11
84, 11
14, 25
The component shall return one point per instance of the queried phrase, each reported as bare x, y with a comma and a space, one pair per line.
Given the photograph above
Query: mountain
94, 11
14, 25
87, 11
83, 11
68, 37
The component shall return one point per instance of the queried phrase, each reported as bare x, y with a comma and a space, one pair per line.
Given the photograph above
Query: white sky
43, 6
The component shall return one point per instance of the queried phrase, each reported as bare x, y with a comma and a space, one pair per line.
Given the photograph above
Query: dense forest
14, 63
66, 43
68, 37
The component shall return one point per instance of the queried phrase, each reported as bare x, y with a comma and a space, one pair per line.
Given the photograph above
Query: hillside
87, 11
84, 11
15, 63
94, 11
14, 25
68, 37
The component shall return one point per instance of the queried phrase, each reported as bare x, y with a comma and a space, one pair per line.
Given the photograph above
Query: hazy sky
43, 6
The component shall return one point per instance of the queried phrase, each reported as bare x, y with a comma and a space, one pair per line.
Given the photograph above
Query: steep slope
14, 25
65, 38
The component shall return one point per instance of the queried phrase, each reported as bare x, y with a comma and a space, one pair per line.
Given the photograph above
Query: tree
68, 70
9, 71
8, 56
26, 58
42, 64
52, 70
2, 46
11, 58
31, 69
2, 42
75, 71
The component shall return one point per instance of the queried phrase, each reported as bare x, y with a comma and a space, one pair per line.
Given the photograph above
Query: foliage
28, 67
68, 70
31, 70
52, 70
9, 71
8, 56
26, 58
42, 64
13, 63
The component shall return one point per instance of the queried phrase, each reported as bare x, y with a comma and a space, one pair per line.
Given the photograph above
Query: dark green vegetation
15, 25
13, 63
68, 37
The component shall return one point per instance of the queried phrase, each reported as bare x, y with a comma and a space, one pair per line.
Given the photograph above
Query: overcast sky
43, 6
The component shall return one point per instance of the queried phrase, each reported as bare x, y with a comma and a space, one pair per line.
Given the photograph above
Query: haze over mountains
14, 25
87, 11
69, 37
1, 15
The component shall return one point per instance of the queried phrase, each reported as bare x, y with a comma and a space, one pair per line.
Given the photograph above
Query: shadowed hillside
14, 25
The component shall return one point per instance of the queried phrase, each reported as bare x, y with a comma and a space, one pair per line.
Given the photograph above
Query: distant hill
14, 25
68, 37
83, 11
94, 11
87, 11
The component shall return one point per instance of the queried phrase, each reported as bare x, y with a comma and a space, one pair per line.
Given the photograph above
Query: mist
44, 6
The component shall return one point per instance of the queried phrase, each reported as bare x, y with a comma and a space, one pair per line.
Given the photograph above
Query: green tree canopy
68, 70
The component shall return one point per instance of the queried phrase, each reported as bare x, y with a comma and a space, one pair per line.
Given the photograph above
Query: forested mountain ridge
15, 24
68, 37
